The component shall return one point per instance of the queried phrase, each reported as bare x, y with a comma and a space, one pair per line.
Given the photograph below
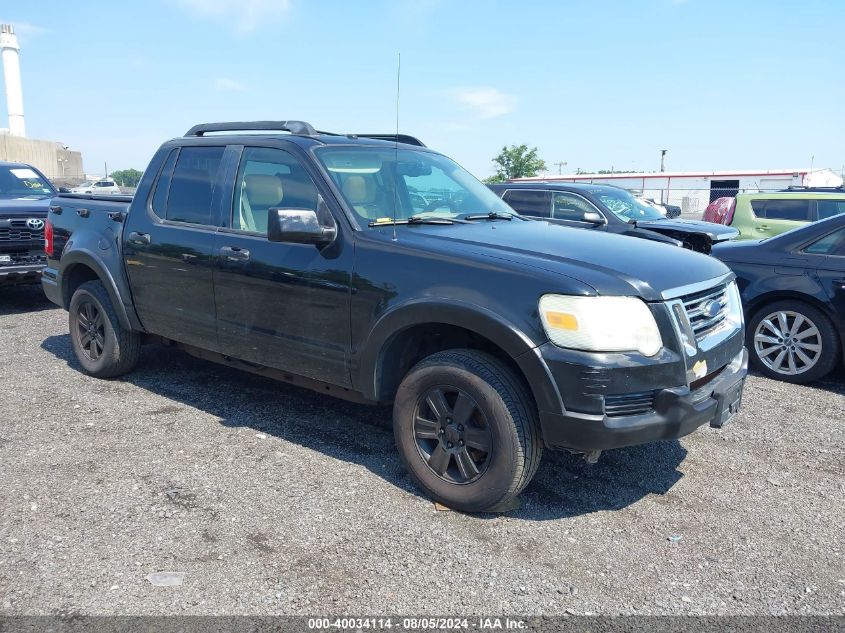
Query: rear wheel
101, 344
792, 341
467, 430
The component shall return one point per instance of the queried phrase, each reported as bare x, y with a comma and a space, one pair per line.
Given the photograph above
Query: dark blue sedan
793, 293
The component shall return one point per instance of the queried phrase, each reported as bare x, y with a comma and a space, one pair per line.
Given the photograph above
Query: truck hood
716, 232
608, 264
25, 207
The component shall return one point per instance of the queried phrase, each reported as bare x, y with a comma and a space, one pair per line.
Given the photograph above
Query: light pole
560, 167
663, 159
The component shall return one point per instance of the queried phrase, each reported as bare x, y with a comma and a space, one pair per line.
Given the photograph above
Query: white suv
104, 186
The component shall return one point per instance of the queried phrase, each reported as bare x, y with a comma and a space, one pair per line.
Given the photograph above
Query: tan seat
259, 192
361, 195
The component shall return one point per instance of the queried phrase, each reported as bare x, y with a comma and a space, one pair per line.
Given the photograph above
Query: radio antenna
396, 146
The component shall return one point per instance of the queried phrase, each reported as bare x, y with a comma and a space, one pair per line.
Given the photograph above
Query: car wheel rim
452, 435
788, 343
90, 330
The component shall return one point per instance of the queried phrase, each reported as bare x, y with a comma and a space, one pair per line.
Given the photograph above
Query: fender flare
84, 257
522, 350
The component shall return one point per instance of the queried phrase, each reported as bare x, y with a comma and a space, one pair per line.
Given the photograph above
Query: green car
760, 215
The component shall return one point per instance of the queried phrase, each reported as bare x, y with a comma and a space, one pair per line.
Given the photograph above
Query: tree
517, 161
127, 177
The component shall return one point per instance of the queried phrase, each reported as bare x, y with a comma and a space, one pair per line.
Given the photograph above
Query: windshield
87, 183
380, 183
17, 182
625, 206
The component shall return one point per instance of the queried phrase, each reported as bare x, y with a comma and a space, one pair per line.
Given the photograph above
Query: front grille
629, 404
703, 324
20, 235
16, 230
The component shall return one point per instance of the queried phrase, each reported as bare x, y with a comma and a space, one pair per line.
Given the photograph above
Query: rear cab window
191, 186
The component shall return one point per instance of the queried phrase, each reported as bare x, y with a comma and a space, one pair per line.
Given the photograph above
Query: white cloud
486, 103
246, 15
224, 84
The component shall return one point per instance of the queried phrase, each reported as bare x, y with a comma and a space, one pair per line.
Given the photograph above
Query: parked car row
499, 321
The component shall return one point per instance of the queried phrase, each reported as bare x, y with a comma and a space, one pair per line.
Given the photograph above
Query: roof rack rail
407, 139
811, 188
294, 127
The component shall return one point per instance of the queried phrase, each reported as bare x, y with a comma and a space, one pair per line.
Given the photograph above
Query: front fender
474, 318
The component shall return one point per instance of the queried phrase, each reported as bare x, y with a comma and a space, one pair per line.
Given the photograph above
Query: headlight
600, 324
735, 315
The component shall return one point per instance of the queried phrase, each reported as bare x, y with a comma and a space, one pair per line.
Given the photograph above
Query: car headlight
735, 315
600, 324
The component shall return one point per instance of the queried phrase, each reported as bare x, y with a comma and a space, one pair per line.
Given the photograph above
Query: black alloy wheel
452, 435
91, 330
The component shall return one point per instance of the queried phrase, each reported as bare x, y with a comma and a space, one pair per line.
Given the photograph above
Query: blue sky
720, 84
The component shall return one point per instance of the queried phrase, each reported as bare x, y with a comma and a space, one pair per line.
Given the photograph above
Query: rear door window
529, 202
192, 185
794, 210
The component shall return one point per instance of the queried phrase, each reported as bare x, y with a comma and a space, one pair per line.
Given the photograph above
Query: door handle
235, 253
764, 227
139, 238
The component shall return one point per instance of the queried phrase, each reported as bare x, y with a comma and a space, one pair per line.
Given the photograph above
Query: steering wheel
439, 204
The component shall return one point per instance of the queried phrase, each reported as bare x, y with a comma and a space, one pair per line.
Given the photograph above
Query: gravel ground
274, 500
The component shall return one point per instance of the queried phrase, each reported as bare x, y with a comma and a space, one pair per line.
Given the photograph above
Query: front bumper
675, 412
26, 274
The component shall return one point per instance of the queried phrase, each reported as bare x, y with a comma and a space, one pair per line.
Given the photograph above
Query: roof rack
811, 189
294, 127
396, 138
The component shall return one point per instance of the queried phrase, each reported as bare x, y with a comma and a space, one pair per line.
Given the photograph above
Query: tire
113, 350
442, 440
770, 348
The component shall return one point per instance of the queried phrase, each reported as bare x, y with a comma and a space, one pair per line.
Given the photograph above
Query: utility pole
663, 159
560, 167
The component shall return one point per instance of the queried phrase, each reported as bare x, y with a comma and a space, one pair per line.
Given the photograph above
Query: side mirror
593, 217
298, 226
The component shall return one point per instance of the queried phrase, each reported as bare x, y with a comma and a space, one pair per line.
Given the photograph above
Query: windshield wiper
414, 219
492, 215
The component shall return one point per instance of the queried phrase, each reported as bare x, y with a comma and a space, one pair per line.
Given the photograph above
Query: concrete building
693, 191
58, 163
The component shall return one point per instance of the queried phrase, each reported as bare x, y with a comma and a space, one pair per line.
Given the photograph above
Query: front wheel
102, 346
792, 341
467, 430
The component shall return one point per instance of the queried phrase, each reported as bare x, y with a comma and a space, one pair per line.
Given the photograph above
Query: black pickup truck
25, 195
382, 271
